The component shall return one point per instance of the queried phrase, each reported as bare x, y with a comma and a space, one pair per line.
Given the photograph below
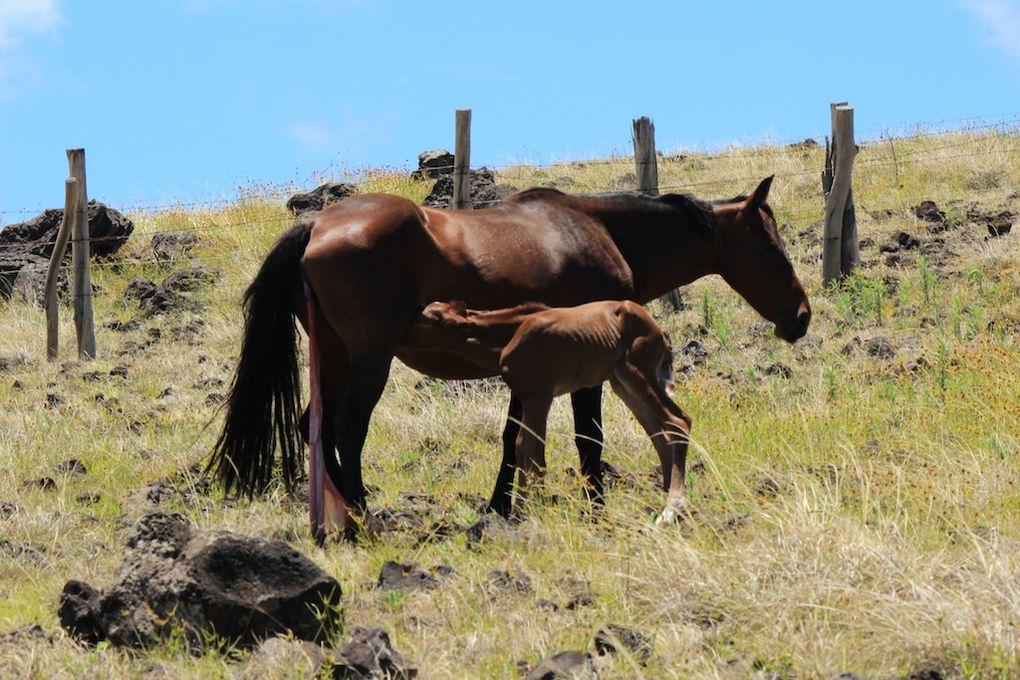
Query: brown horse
371, 262
544, 352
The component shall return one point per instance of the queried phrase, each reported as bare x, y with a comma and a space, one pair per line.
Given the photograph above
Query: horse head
754, 262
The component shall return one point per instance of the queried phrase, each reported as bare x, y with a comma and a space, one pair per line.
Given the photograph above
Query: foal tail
263, 406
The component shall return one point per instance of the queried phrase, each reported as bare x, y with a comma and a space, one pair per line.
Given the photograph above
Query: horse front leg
587, 406
502, 494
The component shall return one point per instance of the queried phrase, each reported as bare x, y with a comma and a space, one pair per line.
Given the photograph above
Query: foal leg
587, 407
531, 447
665, 423
502, 495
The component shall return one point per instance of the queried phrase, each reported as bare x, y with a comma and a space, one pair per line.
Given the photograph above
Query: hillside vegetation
856, 494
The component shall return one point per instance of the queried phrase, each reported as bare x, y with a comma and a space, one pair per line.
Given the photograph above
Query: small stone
54, 400
565, 665
610, 639
41, 484
370, 654
72, 467
499, 579
120, 371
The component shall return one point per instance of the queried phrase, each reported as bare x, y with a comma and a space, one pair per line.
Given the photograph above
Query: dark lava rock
692, 354
30, 282
164, 300
169, 247
319, 197
42, 484
139, 288
370, 654
611, 638
484, 191
433, 164
72, 467
90, 498
123, 326
778, 370
54, 400
398, 520
190, 279
907, 242
8, 509
998, 223
120, 371
175, 578
397, 576
21, 551
880, 347
925, 674
766, 487
486, 528
32, 242
499, 579
563, 666
929, 212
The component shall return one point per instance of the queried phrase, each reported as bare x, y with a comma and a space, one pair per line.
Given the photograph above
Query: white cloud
23, 17
310, 134
1000, 22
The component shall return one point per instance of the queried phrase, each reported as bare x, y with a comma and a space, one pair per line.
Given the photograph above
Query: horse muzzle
795, 328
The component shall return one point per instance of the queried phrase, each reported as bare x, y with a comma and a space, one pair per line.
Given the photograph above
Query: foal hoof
674, 513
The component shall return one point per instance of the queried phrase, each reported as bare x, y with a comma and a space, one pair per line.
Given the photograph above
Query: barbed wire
1003, 123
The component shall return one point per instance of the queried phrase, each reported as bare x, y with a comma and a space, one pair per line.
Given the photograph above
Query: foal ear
761, 194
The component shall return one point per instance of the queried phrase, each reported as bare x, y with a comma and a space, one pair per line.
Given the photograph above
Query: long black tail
263, 405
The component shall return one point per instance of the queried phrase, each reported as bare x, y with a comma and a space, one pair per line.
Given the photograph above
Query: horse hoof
673, 513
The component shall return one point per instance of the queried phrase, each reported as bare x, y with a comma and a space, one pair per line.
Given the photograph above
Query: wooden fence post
647, 170
644, 156
462, 160
840, 247
53, 271
84, 323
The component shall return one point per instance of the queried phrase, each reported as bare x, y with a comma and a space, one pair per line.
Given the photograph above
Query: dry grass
858, 515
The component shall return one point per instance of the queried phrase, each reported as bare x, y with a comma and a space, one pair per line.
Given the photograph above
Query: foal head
754, 262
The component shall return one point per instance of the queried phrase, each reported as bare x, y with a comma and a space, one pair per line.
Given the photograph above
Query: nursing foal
544, 352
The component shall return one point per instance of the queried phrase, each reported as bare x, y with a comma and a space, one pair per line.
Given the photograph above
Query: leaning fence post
81, 288
647, 170
53, 271
840, 248
462, 160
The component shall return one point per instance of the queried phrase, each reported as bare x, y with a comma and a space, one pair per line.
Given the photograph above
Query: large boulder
176, 580
32, 242
433, 164
485, 192
320, 197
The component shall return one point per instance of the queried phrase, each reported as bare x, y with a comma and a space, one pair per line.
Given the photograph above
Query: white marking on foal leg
674, 511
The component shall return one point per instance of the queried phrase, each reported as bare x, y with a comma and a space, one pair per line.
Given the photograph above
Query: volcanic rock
175, 579
320, 197
370, 654
433, 164
32, 242
612, 638
169, 247
564, 665
484, 191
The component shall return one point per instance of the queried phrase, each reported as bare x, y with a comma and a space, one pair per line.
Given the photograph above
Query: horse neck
490, 332
663, 246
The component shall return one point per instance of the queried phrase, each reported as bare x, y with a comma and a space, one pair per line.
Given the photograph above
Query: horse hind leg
364, 387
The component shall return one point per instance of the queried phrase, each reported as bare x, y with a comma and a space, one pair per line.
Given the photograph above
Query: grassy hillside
856, 494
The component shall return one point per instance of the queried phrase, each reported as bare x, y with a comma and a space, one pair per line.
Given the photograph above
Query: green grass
858, 515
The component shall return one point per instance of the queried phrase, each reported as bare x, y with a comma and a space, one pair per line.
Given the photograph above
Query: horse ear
761, 194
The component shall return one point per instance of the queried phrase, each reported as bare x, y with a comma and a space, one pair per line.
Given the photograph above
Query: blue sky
187, 100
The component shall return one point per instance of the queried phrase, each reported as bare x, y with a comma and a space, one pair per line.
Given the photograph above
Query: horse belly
437, 364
